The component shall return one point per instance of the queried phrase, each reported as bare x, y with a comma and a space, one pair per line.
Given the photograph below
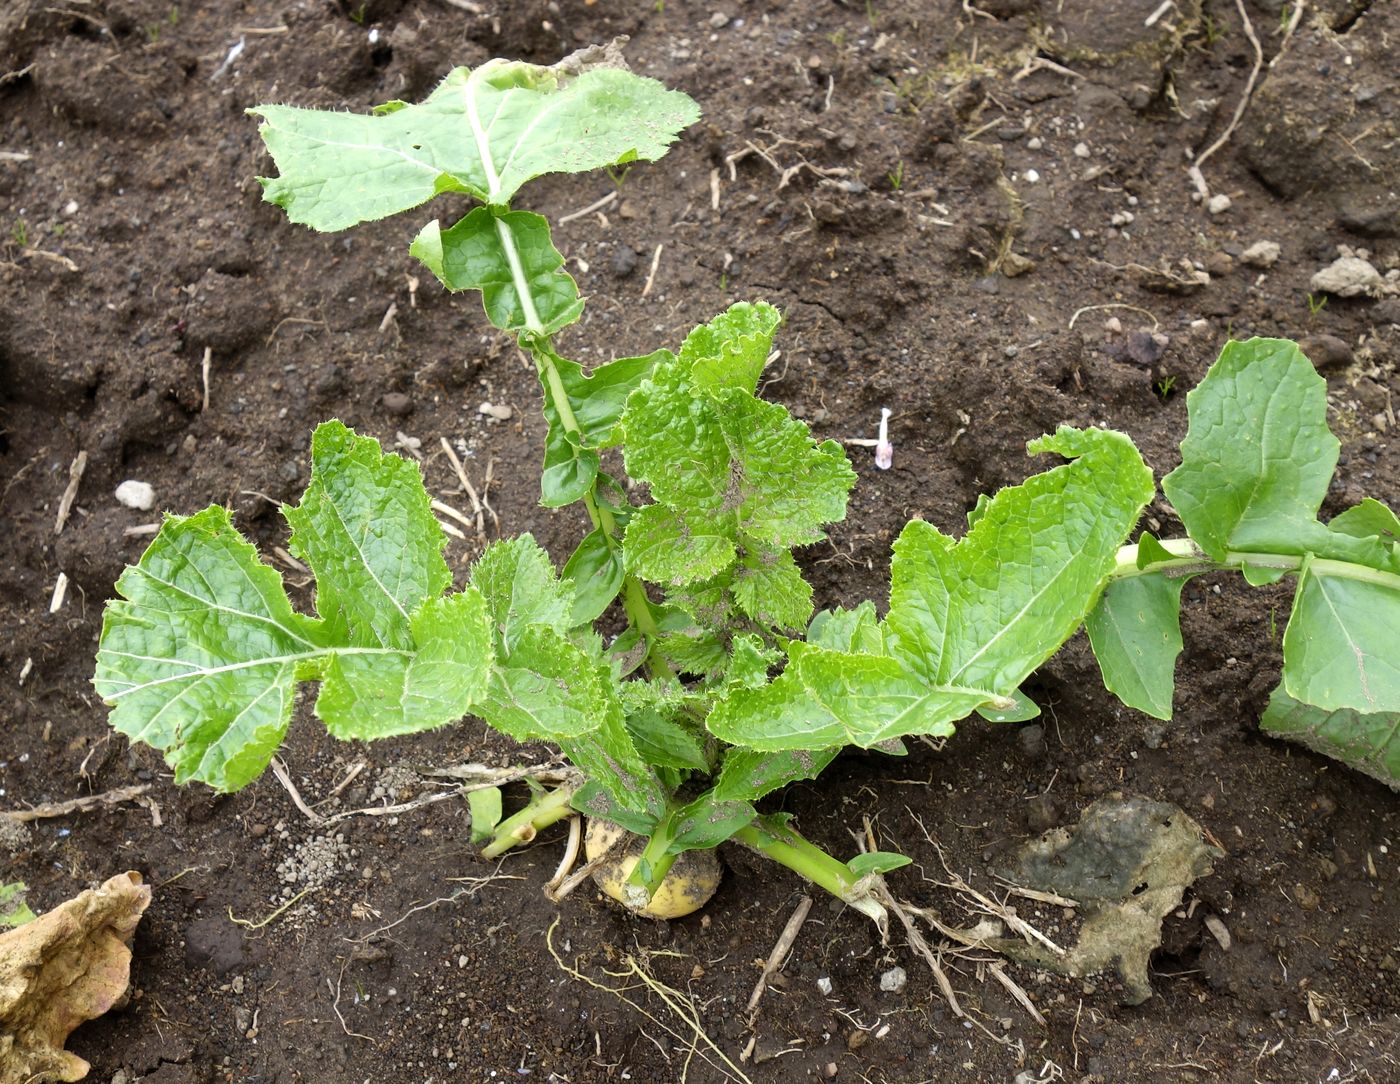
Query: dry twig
70, 492
780, 950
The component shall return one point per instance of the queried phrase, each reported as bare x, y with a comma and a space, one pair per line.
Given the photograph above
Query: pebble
824, 985
1122, 218
1262, 254
1032, 740
397, 403
1032, 176
1081, 150
1219, 264
1349, 276
1218, 204
138, 495
1035, 143
893, 980
1307, 899
1326, 351
499, 411
623, 262
719, 20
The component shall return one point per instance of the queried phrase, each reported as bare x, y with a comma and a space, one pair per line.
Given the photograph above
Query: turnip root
689, 884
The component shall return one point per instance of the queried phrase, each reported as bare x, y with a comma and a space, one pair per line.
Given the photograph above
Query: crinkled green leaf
596, 800
485, 132
788, 487
1342, 646
366, 528
749, 661
747, 774
854, 631
596, 571
366, 696
674, 442
768, 586
666, 742
1367, 741
609, 757
521, 589
707, 822
478, 253
987, 610
731, 350
1135, 631
827, 698
1258, 458
667, 546
545, 689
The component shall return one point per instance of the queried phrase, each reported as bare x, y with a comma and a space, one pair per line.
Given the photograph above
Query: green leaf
14, 911
984, 612
747, 774
828, 699
201, 655
749, 662
485, 808
609, 757
1340, 648
366, 528
862, 865
596, 572
569, 470
1368, 519
596, 800
768, 586
546, 689
732, 349
368, 696
598, 398
857, 631
485, 132
1022, 708
1258, 459
520, 587
1151, 552
788, 486
1135, 632
707, 822
483, 251
674, 442
666, 546
667, 743
1367, 741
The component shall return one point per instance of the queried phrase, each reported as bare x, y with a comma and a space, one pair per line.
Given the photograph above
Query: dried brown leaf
66, 967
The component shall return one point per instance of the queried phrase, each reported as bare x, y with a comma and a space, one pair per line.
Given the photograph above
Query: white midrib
246, 664
493, 190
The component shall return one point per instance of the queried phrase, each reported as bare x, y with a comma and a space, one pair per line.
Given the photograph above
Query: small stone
190, 444
71, 207
397, 403
499, 411
1032, 740
627, 209
242, 1019
893, 980
1081, 150
1010, 133
1261, 254
824, 985
1032, 176
814, 62
120, 1077
719, 20
1218, 204
623, 262
257, 831
1326, 351
857, 1039
1387, 312
1349, 276
830, 1071
1035, 143
1307, 899
1219, 264
138, 495
1122, 218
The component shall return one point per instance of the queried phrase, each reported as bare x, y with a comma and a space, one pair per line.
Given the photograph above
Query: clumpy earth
977, 215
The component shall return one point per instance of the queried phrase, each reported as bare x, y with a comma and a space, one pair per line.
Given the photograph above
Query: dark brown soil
134, 238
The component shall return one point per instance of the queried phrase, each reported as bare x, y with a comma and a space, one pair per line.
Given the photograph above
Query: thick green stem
1187, 559
652, 865
775, 840
544, 809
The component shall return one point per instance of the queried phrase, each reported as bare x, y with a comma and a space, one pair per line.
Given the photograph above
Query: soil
967, 213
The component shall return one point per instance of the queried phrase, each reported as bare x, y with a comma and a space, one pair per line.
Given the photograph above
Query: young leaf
856, 631
1258, 459
1339, 651
521, 589
598, 398
596, 572
1367, 741
667, 546
667, 743
877, 862
1368, 519
826, 698
986, 611
494, 251
485, 808
768, 586
365, 527
1135, 632
1021, 709
484, 132
732, 349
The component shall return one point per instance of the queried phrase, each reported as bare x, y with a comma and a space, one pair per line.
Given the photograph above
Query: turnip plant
723, 686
